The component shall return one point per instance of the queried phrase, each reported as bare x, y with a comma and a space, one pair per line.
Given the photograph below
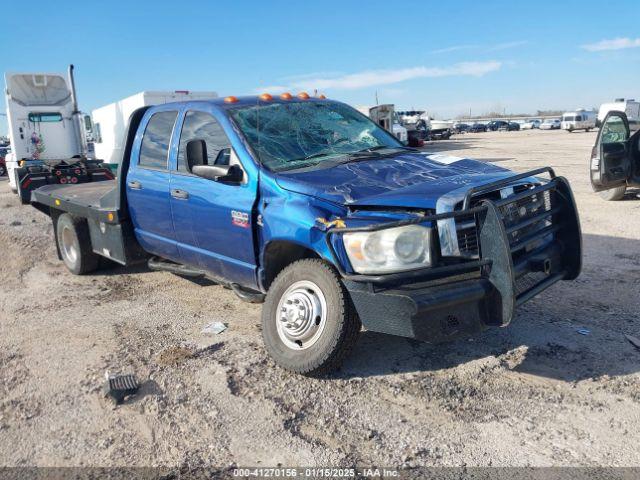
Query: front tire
74, 244
309, 323
613, 194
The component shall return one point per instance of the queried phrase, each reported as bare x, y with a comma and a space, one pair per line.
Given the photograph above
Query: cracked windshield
306, 134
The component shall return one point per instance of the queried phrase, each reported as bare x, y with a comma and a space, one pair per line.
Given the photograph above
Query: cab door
611, 157
147, 183
213, 219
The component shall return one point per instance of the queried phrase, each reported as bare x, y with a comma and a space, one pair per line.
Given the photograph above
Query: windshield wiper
313, 155
364, 154
372, 153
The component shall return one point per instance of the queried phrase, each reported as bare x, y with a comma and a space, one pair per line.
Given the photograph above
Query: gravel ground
534, 394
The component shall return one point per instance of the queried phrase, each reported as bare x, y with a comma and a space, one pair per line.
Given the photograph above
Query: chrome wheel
68, 246
301, 315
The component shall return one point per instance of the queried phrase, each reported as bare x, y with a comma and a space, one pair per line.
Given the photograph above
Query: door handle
135, 185
179, 194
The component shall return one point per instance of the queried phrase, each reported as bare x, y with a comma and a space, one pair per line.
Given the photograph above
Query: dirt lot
536, 393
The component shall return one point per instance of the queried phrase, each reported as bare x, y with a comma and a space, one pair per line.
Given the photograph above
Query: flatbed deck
91, 200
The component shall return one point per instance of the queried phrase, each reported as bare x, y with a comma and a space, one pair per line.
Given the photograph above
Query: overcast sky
446, 57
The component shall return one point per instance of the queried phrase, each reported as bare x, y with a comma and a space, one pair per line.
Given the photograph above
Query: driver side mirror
197, 161
219, 173
196, 153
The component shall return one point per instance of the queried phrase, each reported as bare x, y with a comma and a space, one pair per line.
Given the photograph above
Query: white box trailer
110, 121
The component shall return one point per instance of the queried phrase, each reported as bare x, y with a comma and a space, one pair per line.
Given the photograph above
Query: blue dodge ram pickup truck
306, 205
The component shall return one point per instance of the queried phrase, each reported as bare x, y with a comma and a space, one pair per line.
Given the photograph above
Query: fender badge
240, 219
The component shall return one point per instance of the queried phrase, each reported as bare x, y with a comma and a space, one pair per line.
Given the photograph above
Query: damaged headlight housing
390, 250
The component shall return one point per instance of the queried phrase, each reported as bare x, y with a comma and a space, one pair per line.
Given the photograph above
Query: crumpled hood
410, 180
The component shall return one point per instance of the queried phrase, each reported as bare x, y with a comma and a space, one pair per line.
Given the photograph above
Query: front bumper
518, 256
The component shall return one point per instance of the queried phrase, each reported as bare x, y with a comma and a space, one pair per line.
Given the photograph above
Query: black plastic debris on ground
118, 387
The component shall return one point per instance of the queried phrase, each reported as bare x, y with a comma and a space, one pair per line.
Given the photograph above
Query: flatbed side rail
59, 202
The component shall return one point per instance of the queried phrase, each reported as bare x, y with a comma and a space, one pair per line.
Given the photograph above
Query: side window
203, 126
154, 150
614, 130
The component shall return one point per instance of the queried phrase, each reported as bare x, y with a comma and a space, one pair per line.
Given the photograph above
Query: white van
110, 122
581, 119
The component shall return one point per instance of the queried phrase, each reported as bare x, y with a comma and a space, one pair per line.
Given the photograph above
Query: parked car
310, 207
496, 125
461, 127
615, 157
531, 124
509, 127
478, 127
3, 166
550, 124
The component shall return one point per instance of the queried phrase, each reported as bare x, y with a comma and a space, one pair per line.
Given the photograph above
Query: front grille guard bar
431, 273
496, 262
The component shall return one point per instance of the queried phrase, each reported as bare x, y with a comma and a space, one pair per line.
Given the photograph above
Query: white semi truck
385, 116
109, 123
43, 119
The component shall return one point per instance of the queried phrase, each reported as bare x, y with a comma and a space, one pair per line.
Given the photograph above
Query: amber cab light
231, 99
266, 97
286, 96
303, 96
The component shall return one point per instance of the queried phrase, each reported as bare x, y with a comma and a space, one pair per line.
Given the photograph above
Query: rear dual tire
309, 323
74, 244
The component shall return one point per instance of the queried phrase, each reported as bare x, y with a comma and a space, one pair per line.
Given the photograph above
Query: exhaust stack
77, 115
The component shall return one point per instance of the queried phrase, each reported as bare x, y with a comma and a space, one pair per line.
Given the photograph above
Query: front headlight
390, 250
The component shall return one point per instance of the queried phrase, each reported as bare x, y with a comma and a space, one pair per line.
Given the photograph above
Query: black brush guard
521, 251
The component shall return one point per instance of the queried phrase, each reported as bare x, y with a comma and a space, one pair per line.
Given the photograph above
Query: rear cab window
154, 150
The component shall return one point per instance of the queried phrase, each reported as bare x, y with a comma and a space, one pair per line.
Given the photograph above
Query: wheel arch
278, 254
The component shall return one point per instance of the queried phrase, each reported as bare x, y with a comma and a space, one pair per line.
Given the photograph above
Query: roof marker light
230, 99
286, 96
266, 97
303, 96
322, 97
